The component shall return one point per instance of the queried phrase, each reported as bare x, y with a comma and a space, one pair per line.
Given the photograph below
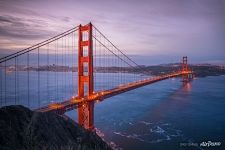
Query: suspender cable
61, 70
15, 77
28, 80
72, 59
39, 104
31, 48
64, 72
48, 98
138, 66
56, 71
1, 82
5, 83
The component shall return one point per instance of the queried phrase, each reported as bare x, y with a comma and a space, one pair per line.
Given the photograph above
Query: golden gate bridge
74, 70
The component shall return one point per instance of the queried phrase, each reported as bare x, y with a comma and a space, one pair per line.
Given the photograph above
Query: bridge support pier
85, 76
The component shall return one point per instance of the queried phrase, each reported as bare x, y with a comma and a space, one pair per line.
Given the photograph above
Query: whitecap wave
130, 123
165, 124
157, 132
157, 129
146, 123
130, 136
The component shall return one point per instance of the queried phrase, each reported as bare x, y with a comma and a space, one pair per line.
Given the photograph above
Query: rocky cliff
21, 128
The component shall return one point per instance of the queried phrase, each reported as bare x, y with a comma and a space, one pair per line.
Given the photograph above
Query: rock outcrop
21, 128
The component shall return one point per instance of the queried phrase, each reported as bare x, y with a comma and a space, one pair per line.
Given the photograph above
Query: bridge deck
75, 102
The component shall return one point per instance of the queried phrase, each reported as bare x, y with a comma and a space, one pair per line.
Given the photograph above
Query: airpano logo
210, 143
202, 144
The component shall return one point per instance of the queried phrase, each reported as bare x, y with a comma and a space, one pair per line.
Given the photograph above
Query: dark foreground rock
21, 128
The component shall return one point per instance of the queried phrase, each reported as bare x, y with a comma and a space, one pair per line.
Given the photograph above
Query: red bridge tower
85, 76
186, 77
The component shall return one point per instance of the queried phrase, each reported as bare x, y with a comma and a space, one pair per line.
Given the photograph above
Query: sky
149, 31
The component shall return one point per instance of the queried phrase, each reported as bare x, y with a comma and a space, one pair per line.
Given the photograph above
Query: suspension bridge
74, 70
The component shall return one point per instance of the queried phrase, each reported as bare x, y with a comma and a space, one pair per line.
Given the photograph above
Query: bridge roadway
75, 102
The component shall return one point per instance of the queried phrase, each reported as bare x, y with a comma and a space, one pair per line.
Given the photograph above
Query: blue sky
150, 31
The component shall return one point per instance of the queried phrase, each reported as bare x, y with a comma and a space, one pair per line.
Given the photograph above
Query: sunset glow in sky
144, 29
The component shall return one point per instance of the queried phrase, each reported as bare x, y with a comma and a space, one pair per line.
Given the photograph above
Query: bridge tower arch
85, 76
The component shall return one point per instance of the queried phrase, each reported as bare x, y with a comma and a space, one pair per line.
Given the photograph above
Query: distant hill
21, 128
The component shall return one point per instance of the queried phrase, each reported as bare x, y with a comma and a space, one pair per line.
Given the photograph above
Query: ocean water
35, 89
165, 115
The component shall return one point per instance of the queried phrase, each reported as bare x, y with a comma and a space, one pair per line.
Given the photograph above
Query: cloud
19, 28
146, 27
24, 27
